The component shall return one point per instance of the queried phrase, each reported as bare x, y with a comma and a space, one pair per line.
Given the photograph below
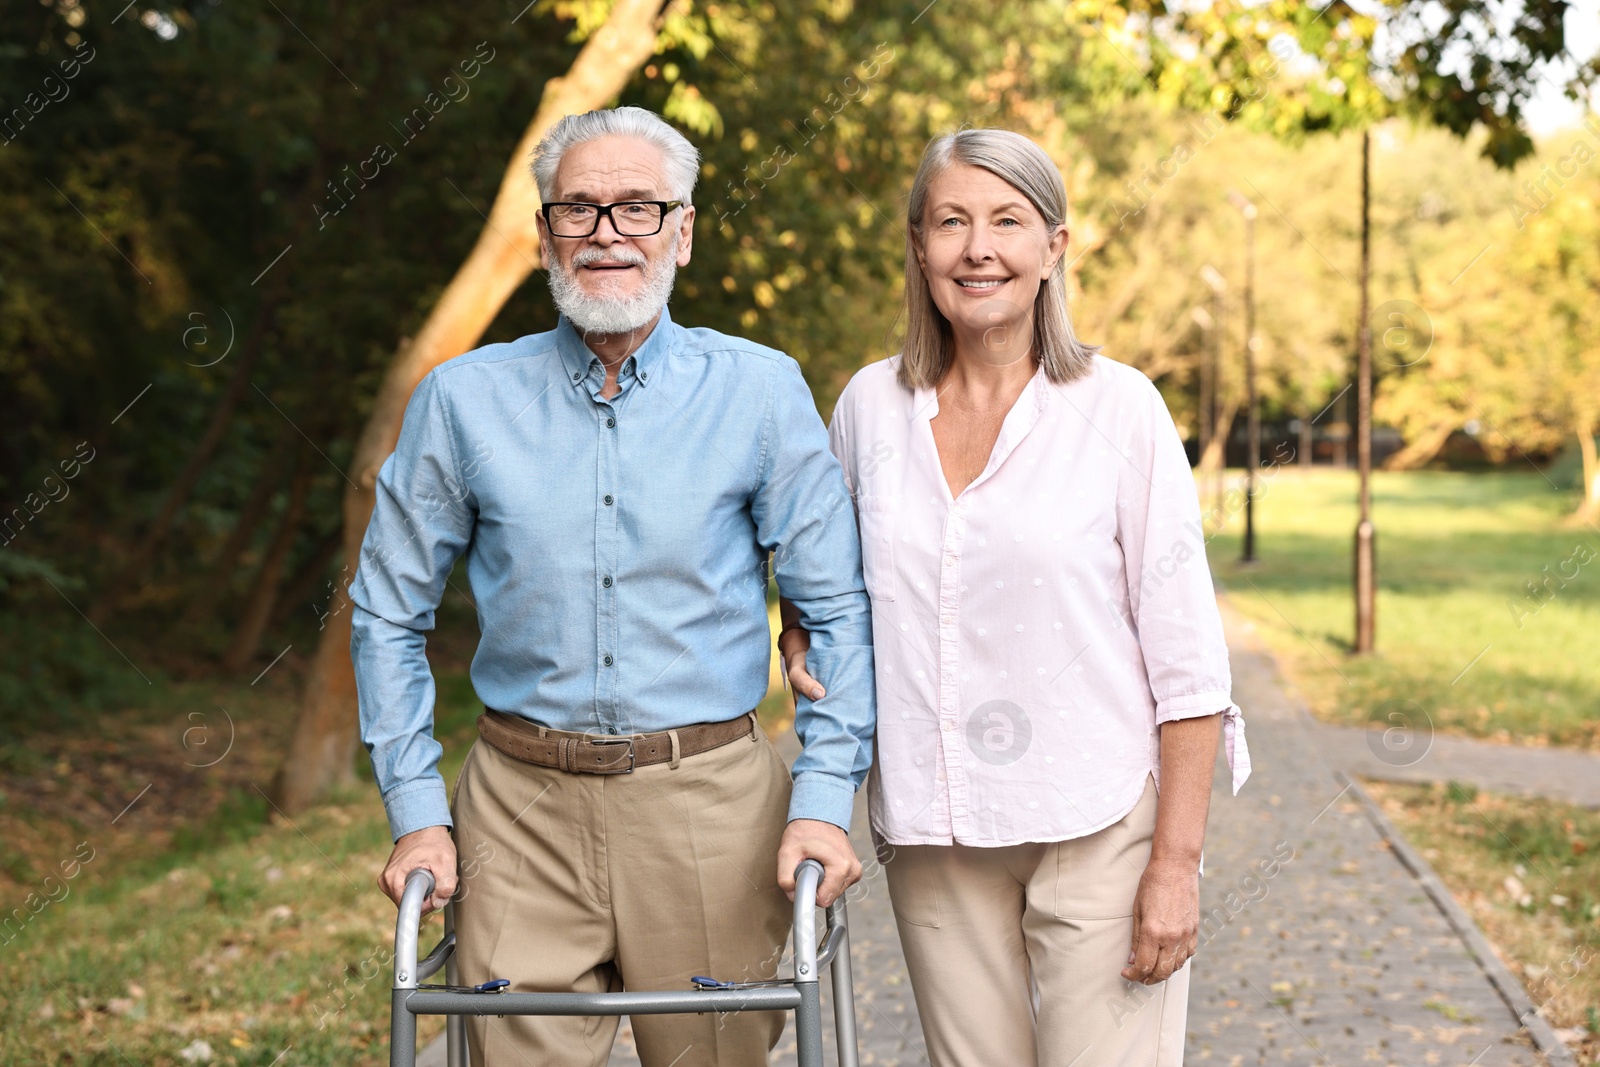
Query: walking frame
801, 993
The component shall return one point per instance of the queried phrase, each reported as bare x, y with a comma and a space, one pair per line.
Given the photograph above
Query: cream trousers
1015, 953
590, 883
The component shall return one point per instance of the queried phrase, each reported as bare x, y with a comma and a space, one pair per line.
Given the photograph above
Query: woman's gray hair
1017, 161
682, 158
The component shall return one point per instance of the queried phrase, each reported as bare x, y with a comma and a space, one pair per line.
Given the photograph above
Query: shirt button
611, 423
576, 376
606, 581
644, 376
607, 661
608, 500
610, 729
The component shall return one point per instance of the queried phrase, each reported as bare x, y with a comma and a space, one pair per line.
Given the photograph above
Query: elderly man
617, 486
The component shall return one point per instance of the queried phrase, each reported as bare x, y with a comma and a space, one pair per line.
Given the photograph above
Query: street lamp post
1366, 532
1253, 458
1219, 288
1208, 323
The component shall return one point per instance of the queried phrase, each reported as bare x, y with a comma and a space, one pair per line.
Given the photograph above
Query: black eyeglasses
630, 218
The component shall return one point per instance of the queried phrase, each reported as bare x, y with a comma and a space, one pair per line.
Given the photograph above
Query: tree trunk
199, 458
299, 592
322, 751
1424, 448
269, 577
1589, 510
1307, 439
256, 506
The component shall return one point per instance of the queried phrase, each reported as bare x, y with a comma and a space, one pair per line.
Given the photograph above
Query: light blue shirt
617, 552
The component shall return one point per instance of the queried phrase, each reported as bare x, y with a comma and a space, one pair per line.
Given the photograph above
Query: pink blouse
1032, 633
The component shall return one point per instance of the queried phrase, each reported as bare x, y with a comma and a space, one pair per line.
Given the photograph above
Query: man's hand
812, 839
1166, 923
432, 848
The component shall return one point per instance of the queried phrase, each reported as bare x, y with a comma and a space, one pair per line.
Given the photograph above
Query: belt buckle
633, 755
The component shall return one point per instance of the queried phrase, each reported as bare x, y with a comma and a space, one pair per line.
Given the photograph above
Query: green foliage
208, 193
1461, 65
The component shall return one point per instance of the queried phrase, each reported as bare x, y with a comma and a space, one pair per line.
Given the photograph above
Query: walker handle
419, 887
807, 879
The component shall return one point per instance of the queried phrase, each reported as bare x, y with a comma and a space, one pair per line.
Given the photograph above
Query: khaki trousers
595, 883
1015, 952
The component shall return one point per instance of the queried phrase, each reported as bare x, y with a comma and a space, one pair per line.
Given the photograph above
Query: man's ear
545, 253
686, 236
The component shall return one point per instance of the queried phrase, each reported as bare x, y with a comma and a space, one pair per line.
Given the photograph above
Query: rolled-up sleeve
1170, 594
804, 517
421, 523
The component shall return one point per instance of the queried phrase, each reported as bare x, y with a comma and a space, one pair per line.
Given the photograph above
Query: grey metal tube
844, 995
807, 877
419, 887
808, 1025
455, 1027
667, 1002
402, 1030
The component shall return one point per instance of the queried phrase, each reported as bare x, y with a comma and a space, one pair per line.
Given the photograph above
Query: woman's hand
793, 644
1166, 922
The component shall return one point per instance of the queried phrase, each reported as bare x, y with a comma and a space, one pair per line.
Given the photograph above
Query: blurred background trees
226, 226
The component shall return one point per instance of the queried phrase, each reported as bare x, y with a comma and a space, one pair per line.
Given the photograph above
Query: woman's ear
1055, 250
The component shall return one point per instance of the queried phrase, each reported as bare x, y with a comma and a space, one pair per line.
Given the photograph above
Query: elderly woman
1048, 644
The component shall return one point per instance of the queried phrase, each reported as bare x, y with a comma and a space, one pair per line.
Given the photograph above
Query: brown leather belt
598, 754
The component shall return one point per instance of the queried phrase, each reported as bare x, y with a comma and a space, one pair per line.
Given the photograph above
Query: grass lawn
1528, 872
1458, 638
252, 935
197, 915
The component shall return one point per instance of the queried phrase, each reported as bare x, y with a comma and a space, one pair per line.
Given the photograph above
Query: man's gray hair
682, 159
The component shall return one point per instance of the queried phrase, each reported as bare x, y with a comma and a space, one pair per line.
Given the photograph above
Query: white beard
609, 314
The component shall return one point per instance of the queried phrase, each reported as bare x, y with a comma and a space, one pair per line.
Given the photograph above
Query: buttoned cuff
416, 806
823, 797
1197, 705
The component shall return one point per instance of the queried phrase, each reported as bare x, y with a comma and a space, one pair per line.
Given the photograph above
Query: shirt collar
645, 361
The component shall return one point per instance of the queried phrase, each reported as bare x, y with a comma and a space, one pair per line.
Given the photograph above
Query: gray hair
930, 346
682, 159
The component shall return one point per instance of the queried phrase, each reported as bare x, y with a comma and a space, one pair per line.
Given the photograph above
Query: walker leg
808, 1024
844, 997
455, 1026
402, 1031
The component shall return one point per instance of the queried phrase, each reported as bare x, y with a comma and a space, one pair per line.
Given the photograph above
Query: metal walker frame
801, 993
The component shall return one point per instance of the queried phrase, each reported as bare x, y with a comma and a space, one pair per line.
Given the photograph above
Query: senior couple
967, 564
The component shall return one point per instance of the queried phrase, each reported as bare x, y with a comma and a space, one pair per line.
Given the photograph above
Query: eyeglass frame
603, 211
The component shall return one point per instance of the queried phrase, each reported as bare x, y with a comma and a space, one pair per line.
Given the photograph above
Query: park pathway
1564, 774
1334, 956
